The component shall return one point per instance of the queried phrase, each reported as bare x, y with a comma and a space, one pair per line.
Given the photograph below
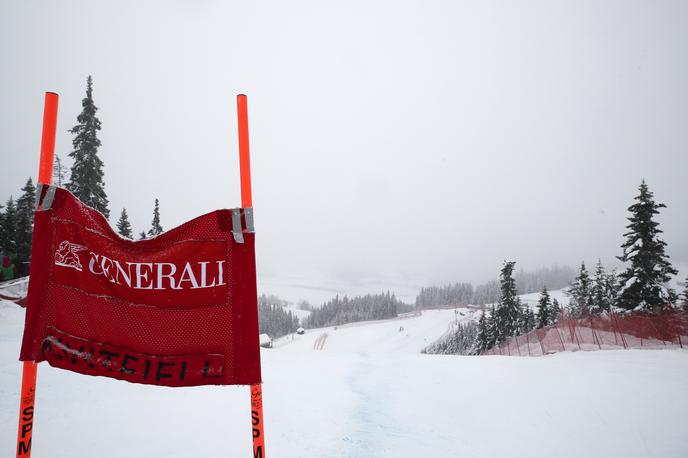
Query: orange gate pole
247, 202
45, 177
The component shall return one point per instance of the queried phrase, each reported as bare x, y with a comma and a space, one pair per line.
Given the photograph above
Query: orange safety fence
605, 332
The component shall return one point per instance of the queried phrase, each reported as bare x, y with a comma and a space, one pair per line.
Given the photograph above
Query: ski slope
407, 334
401, 335
368, 397
531, 299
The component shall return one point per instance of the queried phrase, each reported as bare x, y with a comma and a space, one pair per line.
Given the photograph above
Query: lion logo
66, 255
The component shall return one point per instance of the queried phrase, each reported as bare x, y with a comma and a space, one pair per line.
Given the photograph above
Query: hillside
407, 334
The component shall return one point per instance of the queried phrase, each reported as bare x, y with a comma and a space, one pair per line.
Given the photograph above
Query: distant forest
273, 319
555, 277
276, 321
341, 310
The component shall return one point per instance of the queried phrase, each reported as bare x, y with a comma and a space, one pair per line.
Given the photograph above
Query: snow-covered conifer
156, 228
555, 311
579, 291
599, 301
684, 296
644, 283
2, 228
9, 223
492, 330
508, 316
611, 287
528, 320
123, 225
544, 308
482, 338
59, 172
86, 179
24, 228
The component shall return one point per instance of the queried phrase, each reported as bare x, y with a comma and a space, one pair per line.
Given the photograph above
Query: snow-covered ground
532, 299
300, 314
14, 288
371, 396
401, 335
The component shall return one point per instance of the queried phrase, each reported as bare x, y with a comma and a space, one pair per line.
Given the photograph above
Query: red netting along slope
613, 331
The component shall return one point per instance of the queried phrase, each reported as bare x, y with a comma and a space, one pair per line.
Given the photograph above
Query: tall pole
247, 202
45, 177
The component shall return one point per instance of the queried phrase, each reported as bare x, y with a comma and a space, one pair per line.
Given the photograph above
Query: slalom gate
179, 309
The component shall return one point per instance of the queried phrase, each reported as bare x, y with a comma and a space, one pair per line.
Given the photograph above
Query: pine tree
611, 288
123, 225
59, 172
555, 311
9, 242
508, 317
86, 180
2, 231
156, 228
492, 330
528, 321
580, 293
24, 231
685, 296
599, 302
643, 285
142, 235
482, 338
544, 307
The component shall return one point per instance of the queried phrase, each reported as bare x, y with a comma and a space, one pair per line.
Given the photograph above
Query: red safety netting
611, 331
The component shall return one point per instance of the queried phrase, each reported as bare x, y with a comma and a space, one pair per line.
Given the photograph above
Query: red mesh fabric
82, 305
612, 331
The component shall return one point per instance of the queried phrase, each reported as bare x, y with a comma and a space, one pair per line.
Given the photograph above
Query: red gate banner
178, 309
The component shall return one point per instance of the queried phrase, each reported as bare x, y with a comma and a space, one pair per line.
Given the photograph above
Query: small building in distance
265, 341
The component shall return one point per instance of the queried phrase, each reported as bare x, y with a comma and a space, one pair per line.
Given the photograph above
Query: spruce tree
644, 284
86, 179
2, 231
544, 307
611, 288
142, 235
555, 311
508, 316
528, 321
123, 225
24, 231
482, 338
156, 228
684, 296
59, 172
579, 291
9, 242
599, 302
492, 330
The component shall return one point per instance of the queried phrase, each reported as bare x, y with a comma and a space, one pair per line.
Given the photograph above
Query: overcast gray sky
394, 144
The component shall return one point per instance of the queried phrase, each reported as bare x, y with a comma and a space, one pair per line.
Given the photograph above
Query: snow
14, 288
368, 393
385, 336
264, 339
300, 314
531, 299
